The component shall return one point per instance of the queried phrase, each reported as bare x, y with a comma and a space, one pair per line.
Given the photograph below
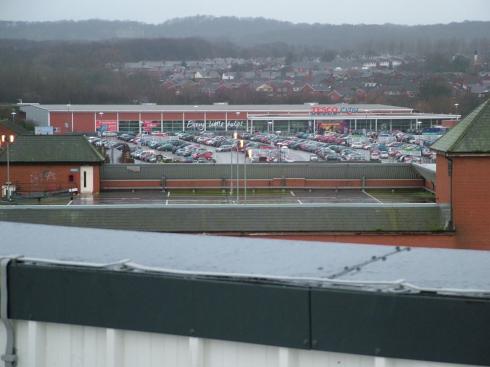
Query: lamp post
71, 115
9, 139
231, 170
235, 136
238, 170
248, 154
241, 143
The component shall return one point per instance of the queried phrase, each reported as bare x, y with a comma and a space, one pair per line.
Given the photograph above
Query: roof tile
471, 135
52, 149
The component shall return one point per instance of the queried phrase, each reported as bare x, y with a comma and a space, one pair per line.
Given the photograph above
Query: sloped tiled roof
15, 127
471, 135
51, 149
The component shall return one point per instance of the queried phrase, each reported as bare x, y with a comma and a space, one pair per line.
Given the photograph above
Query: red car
206, 154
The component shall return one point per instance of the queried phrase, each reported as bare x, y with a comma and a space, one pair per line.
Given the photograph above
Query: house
335, 96
284, 89
480, 89
265, 88
228, 76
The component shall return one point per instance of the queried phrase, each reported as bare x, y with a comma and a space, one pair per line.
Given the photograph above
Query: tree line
463, 37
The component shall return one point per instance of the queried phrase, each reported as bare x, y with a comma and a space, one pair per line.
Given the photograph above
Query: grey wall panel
269, 314
237, 218
422, 326
38, 115
260, 171
417, 327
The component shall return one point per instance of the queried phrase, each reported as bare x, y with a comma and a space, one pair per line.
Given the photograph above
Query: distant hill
253, 31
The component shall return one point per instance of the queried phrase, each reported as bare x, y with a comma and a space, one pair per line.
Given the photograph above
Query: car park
327, 146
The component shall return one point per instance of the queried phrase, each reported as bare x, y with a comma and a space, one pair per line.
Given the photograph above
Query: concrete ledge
376, 218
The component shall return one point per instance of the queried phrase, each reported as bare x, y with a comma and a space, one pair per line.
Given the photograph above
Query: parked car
224, 148
206, 154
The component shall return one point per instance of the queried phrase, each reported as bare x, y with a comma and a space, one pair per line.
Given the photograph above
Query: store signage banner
106, 125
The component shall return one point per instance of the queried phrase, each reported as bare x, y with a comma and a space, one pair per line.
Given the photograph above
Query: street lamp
235, 136
70, 113
248, 154
241, 143
9, 139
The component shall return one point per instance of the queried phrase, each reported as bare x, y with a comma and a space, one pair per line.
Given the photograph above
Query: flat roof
356, 116
214, 107
439, 270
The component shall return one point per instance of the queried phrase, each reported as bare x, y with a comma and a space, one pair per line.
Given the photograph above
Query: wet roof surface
302, 196
428, 268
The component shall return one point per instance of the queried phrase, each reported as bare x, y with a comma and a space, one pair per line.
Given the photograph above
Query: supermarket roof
222, 107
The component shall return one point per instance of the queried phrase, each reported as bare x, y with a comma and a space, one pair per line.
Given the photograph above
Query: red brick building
463, 176
221, 117
44, 164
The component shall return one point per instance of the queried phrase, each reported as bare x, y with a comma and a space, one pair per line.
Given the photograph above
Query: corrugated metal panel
239, 218
260, 171
43, 344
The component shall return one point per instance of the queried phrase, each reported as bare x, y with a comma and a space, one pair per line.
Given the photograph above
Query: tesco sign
333, 110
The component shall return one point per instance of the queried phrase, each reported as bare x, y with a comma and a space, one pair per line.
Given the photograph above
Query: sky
409, 12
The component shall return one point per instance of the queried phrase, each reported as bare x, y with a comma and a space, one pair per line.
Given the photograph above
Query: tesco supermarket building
66, 118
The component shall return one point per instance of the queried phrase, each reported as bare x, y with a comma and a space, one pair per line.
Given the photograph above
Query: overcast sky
310, 11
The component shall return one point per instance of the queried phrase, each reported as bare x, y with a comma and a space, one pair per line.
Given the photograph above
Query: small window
70, 178
84, 178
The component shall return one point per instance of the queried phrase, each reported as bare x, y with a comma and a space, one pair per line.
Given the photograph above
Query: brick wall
46, 178
442, 180
83, 122
259, 183
471, 200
